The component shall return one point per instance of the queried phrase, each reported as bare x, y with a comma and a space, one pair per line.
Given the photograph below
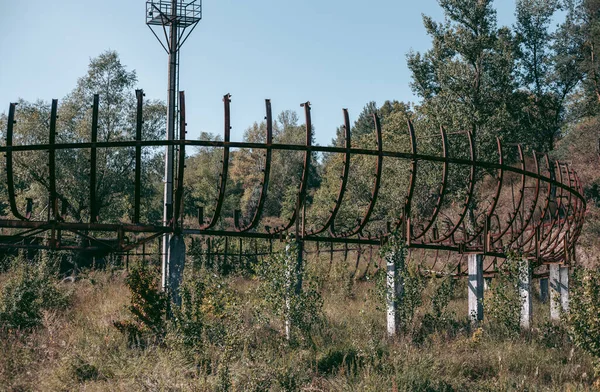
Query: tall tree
110, 79
465, 79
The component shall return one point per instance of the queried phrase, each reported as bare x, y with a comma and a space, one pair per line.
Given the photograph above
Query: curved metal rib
267, 171
305, 170
225, 167
375, 191
518, 205
496, 197
441, 194
450, 234
10, 181
344, 178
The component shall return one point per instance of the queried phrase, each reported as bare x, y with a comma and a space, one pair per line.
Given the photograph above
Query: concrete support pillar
525, 293
475, 287
544, 290
395, 289
176, 265
293, 270
554, 284
564, 288
487, 283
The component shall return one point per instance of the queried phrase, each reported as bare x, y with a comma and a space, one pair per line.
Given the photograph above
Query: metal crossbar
543, 220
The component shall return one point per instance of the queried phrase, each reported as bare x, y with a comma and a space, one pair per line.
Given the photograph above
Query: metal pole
169, 153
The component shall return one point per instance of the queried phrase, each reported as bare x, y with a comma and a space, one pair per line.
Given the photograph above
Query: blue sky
336, 54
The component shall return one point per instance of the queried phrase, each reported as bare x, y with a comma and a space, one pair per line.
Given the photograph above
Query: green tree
465, 79
547, 72
109, 78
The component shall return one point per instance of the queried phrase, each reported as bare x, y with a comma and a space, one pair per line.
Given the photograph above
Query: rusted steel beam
546, 233
177, 218
137, 184
344, 177
53, 201
266, 175
10, 182
93, 160
225, 164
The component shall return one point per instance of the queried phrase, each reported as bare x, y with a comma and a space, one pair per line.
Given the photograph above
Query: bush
503, 302
289, 294
29, 289
148, 307
584, 313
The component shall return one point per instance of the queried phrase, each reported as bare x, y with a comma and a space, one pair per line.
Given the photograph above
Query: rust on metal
544, 219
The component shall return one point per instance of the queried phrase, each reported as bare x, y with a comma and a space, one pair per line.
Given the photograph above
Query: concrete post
475, 287
544, 290
176, 265
564, 288
525, 293
487, 284
293, 267
554, 291
395, 289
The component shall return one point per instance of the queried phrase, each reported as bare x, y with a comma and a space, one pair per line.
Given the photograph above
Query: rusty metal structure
543, 219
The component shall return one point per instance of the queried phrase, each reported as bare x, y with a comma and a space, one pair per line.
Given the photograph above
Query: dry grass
79, 349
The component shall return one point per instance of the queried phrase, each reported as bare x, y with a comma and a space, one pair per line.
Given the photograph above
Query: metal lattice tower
178, 19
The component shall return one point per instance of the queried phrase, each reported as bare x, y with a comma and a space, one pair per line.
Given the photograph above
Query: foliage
584, 310
289, 294
29, 289
208, 310
409, 297
148, 307
503, 302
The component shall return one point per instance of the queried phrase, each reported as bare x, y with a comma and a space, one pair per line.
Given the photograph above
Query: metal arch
442, 192
344, 178
305, 172
376, 185
513, 216
552, 234
10, 181
450, 235
266, 176
225, 165
495, 198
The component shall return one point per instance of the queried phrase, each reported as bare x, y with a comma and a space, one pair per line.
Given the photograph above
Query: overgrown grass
240, 350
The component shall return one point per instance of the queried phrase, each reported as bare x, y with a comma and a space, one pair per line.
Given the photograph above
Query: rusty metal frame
546, 232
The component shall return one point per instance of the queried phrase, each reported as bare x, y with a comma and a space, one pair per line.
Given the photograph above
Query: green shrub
503, 301
584, 311
413, 283
148, 307
28, 289
288, 292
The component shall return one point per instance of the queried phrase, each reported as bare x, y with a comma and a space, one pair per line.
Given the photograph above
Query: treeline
528, 83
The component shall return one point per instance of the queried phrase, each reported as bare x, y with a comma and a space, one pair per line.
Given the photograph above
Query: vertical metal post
475, 287
171, 121
93, 160
554, 291
525, 293
138, 156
